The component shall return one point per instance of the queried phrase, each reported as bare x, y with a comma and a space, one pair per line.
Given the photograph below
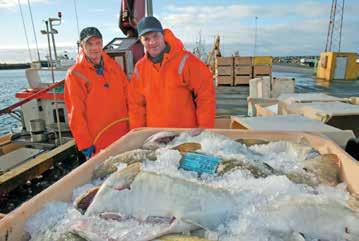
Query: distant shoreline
4, 66
14, 66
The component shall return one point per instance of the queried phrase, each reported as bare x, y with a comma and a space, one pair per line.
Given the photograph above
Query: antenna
77, 19
78, 28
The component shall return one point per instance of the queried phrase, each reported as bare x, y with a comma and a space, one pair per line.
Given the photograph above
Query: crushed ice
252, 193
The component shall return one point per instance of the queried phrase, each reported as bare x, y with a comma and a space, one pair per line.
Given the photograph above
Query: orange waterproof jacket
177, 93
96, 104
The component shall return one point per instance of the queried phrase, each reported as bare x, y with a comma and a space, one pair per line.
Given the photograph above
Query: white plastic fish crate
12, 225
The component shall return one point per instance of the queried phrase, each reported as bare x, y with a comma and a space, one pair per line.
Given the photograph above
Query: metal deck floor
233, 100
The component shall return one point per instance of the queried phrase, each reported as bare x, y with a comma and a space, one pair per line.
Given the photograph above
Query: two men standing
170, 87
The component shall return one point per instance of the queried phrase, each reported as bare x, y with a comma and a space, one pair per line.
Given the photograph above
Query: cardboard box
291, 98
291, 123
266, 109
282, 86
341, 115
252, 102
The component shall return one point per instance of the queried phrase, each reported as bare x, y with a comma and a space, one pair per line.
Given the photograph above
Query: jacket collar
176, 46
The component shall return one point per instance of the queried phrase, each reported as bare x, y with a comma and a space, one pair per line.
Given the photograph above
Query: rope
108, 127
33, 29
77, 20
23, 23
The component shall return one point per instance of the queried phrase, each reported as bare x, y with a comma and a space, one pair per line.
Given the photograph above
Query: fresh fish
83, 201
256, 168
325, 168
110, 165
159, 139
316, 217
123, 179
195, 131
127, 229
50, 235
294, 236
174, 237
68, 236
152, 194
187, 147
251, 142
322, 169
299, 151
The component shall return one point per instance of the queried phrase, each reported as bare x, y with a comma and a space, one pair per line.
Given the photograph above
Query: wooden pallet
242, 79
223, 80
238, 60
224, 61
262, 60
262, 70
243, 70
224, 71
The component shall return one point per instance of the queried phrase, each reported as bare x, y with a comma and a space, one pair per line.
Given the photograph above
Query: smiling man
170, 86
95, 96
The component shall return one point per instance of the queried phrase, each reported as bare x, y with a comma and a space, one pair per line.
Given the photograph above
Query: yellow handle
108, 127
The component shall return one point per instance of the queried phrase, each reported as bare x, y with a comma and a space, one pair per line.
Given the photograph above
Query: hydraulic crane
215, 52
127, 51
334, 36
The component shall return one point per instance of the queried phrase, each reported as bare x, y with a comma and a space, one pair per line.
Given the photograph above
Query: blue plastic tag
200, 163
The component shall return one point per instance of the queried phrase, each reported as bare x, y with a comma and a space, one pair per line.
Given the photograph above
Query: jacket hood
176, 45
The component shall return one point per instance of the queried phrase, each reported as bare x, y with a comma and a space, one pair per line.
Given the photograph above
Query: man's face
93, 49
153, 42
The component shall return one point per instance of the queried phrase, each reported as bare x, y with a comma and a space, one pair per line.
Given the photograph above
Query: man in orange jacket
95, 96
170, 86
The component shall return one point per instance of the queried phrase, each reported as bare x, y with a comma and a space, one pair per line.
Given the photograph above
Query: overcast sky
290, 28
